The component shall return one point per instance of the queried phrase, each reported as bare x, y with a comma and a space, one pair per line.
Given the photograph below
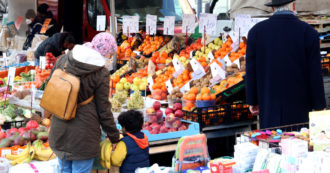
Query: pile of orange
160, 58
229, 82
192, 47
205, 94
125, 51
190, 98
202, 61
150, 44
141, 74
159, 82
182, 79
240, 52
225, 49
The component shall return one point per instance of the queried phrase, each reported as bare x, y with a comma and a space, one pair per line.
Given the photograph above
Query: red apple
177, 123
178, 114
148, 128
163, 129
2, 135
168, 111
159, 114
22, 129
12, 130
172, 130
177, 106
171, 118
152, 119
156, 105
155, 126
150, 111
182, 127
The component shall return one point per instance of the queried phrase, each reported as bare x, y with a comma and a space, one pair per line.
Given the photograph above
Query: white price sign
217, 73
178, 67
208, 23
227, 60
210, 56
235, 46
238, 63
198, 69
100, 22
169, 23
169, 86
11, 76
243, 24
188, 23
130, 24
42, 62
4, 152
151, 25
150, 82
185, 88
5, 59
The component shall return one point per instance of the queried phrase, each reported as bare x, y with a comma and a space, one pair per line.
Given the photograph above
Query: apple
156, 105
182, 127
137, 81
177, 106
155, 126
177, 123
163, 129
22, 129
172, 130
168, 111
127, 86
2, 135
133, 87
159, 114
123, 80
148, 128
178, 114
119, 86
154, 132
152, 118
170, 118
150, 111
142, 86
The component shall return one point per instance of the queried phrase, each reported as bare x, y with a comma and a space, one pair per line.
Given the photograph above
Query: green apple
127, 86
217, 47
203, 49
217, 41
133, 87
119, 87
137, 81
176, 56
145, 80
142, 86
123, 80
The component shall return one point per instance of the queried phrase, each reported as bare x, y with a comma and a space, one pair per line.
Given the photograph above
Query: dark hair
30, 14
69, 39
131, 120
43, 8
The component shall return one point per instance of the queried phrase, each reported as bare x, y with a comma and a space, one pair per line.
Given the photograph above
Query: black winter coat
284, 70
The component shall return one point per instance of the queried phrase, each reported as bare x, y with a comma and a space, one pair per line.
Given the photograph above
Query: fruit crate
12, 124
193, 129
231, 91
325, 66
219, 114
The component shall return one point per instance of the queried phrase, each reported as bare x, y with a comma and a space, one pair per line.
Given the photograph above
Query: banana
24, 159
24, 153
102, 156
102, 162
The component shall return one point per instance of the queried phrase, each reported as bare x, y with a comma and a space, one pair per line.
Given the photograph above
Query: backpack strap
86, 101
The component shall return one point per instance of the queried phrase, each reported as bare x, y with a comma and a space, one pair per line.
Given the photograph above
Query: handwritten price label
169, 23
178, 67
208, 22
151, 24
42, 62
100, 22
150, 82
198, 69
217, 73
169, 86
188, 23
11, 75
130, 24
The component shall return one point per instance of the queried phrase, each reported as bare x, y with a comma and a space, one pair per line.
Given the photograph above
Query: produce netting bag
191, 153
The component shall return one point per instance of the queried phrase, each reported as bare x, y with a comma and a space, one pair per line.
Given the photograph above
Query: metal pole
113, 24
199, 7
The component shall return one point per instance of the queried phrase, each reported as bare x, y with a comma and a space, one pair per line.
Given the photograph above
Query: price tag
185, 88
227, 60
4, 152
169, 23
188, 23
208, 22
243, 24
5, 60
150, 82
191, 54
137, 52
130, 24
177, 66
42, 62
115, 24
169, 86
222, 62
151, 25
217, 73
11, 76
100, 22
45, 26
151, 67
238, 63
210, 56
235, 46
198, 69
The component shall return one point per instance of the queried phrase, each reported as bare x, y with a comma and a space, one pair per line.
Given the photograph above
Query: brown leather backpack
61, 95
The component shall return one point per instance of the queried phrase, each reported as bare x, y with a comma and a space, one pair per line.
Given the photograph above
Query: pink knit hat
104, 43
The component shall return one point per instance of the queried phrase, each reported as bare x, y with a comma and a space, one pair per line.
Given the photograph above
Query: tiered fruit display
184, 61
139, 84
204, 51
224, 50
150, 44
189, 99
115, 78
193, 47
37, 151
205, 94
239, 53
50, 61
159, 81
123, 84
182, 79
136, 101
229, 82
125, 51
172, 122
105, 154
139, 74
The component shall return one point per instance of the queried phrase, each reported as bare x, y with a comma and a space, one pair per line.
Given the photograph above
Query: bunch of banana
24, 157
41, 153
105, 154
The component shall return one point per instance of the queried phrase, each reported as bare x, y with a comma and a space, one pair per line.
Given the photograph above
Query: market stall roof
257, 7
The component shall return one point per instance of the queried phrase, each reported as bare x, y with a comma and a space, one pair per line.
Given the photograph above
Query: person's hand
254, 110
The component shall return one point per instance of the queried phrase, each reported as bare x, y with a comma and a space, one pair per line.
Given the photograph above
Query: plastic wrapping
191, 153
4, 165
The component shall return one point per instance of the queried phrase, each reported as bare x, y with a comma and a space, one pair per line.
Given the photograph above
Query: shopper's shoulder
261, 25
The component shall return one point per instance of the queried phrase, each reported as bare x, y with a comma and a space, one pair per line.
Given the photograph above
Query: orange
213, 96
191, 97
205, 90
194, 90
206, 97
199, 97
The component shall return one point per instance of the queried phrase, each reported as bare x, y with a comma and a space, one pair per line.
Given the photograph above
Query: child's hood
142, 143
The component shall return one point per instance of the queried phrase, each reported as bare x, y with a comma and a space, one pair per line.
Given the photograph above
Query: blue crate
193, 129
